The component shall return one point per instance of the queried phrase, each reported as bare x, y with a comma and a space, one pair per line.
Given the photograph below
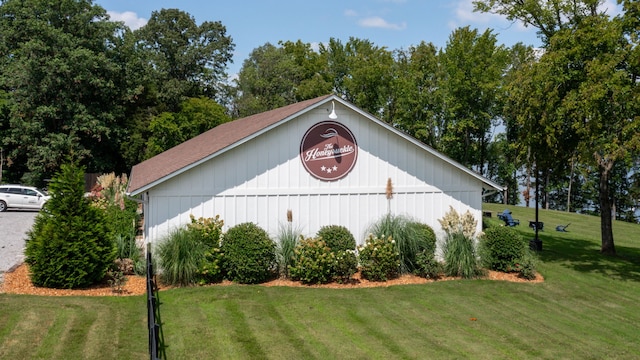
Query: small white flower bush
379, 259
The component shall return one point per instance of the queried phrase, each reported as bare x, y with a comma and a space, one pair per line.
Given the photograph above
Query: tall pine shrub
69, 245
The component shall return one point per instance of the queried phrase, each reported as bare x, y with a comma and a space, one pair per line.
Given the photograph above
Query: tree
548, 16
275, 76
195, 117
69, 245
267, 80
186, 60
473, 66
415, 106
510, 156
362, 73
58, 63
591, 86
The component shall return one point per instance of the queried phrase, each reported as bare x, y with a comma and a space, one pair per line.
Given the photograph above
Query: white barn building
324, 159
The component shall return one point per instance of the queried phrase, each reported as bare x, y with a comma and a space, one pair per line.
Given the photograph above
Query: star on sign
335, 168
323, 168
329, 171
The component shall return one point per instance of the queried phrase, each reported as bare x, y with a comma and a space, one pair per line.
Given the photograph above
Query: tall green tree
195, 117
275, 76
415, 106
473, 65
362, 73
267, 80
185, 59
508, 152
591, 86
59, 66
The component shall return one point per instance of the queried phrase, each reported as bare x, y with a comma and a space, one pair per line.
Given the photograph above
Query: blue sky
394, 24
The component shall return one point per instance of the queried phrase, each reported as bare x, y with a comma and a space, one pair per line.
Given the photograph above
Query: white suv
22, 197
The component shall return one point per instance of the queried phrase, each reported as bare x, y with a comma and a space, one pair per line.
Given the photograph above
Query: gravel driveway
14, 225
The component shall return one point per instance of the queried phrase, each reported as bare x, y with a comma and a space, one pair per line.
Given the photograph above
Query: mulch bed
18, 282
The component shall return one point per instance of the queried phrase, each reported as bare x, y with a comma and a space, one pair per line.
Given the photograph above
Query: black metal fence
156, 338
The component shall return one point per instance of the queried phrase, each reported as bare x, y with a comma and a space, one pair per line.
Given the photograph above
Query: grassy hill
588, 307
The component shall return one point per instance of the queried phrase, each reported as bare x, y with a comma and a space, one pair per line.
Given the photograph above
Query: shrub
502, 247
249, 254
69, 245
527, 265
346, 264
426, 238
427, 265
337, 237
210, 270
460, 257
343, 245
410, 237
121, 216
313, 262
287, 241
180, 253
379, 259
452, 223
208, 231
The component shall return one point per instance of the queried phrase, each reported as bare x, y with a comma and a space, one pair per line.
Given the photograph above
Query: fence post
156, 340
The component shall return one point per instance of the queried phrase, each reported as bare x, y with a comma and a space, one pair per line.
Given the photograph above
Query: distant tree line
564, 117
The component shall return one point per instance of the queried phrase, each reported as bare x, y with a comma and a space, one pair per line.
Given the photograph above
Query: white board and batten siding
260, 179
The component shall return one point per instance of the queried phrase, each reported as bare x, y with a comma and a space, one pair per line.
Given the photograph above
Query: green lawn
587, 308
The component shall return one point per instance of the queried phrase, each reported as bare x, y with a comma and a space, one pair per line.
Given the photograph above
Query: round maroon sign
328, 150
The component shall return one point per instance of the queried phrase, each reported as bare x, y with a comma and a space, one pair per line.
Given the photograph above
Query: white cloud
611, 8
315, 46
350, 13
129, 18
378, 22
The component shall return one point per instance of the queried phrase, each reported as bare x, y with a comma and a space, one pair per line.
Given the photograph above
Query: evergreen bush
69, 245
427, 237
501, 248
337, 237
249, 254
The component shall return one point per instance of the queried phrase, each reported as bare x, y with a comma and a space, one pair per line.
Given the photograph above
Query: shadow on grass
584, 256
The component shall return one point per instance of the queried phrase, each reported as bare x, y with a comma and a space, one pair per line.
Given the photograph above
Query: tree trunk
528, 181
546, 189
570, 182
606, 229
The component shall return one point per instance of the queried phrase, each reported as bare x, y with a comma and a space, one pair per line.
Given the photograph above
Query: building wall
261, 179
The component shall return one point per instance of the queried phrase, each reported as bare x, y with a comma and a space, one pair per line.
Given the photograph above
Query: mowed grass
588, 307
39, 327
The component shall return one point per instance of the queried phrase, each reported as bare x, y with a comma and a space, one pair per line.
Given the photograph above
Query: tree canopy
565, 117
59, 65
581, 97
